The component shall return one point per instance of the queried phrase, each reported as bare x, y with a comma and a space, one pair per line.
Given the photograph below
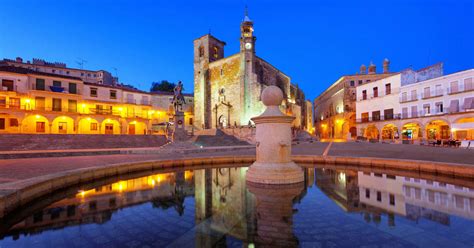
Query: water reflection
216, 207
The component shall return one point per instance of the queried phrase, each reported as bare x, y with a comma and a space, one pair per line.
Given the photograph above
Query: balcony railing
379, 118
416, 114
431, 94
458, 90
411, 98
56, 89
379, 94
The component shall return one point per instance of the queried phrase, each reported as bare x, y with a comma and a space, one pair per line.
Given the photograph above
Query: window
379, 196
414, 111
53, 71
82, 73
222, 72
404, 113
40, 103
113, 94
376, 92
376, 115
216, 52
88, 74
388, 89
360, 82
95, 75
352, 83
368, 80
388, 114
67, 72
404, 97
72, 88
40, 127
454, 106
7, 85
72, 106
365, 117
439, 107
468, 84
367, 193
57, 83
39, 84
201, 51
426, 109
14, 122
426, 92
56, 104
2, 123
364, 95
439, 90
3, 101
93, 92
392, 199
94, 126
413, 95
14, 102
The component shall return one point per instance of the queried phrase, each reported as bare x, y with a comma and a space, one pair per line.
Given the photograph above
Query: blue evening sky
314, 42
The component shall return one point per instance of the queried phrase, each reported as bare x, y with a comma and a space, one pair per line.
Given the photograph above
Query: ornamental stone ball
272, 96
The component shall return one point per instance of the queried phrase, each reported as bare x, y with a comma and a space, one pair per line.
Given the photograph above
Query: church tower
247, 56
207, 49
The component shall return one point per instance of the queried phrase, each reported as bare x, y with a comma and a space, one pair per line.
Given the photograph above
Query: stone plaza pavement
18, 169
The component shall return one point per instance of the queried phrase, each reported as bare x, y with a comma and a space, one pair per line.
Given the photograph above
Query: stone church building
227, 89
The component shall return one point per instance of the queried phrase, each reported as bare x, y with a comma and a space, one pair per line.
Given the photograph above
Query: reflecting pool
216, 207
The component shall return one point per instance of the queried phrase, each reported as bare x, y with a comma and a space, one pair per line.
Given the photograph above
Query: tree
164, 85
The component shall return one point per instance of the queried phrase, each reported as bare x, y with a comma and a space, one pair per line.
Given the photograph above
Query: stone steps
219, 139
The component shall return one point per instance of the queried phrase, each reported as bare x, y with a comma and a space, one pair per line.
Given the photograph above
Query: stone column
273, 164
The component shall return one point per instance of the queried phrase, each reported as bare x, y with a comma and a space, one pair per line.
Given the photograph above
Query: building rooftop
20, 70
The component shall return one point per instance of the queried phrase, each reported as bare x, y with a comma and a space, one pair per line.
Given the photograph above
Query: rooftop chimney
363, 69
372, 68
386, 65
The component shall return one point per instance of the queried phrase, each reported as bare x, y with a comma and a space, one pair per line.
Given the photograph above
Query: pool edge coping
19, 193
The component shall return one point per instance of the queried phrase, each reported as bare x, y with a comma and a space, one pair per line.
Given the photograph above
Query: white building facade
426, 106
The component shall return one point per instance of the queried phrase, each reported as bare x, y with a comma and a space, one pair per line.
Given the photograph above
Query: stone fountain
273, 164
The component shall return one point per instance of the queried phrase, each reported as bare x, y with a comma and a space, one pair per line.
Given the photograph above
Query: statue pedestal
273, 163
179, 133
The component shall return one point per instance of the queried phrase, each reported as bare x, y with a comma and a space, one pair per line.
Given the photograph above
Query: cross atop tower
246, 15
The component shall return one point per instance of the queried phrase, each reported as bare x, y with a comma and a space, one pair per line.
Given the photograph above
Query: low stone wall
17, 194
22, 142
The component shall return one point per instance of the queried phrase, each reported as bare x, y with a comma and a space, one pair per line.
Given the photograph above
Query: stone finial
272, 96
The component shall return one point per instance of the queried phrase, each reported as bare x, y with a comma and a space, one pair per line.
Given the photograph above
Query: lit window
93, 92
94, 126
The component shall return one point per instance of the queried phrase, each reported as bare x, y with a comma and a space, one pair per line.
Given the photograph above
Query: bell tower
247, 57
247, 40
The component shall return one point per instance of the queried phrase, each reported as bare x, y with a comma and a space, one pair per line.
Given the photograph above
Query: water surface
216, 207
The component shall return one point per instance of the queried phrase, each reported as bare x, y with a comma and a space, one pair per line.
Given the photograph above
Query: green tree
164, 85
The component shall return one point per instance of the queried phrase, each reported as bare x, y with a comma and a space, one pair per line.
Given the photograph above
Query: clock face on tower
248, 46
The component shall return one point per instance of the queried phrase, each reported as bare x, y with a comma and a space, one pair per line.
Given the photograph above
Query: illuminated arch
35, 124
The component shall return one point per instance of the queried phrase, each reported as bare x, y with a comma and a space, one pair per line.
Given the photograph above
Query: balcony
458, 90
56, 89
408, 99
379, 118
431, 94
379, 94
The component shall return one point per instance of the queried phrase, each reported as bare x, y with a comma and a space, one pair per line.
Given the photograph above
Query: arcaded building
334, 109
227, 89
